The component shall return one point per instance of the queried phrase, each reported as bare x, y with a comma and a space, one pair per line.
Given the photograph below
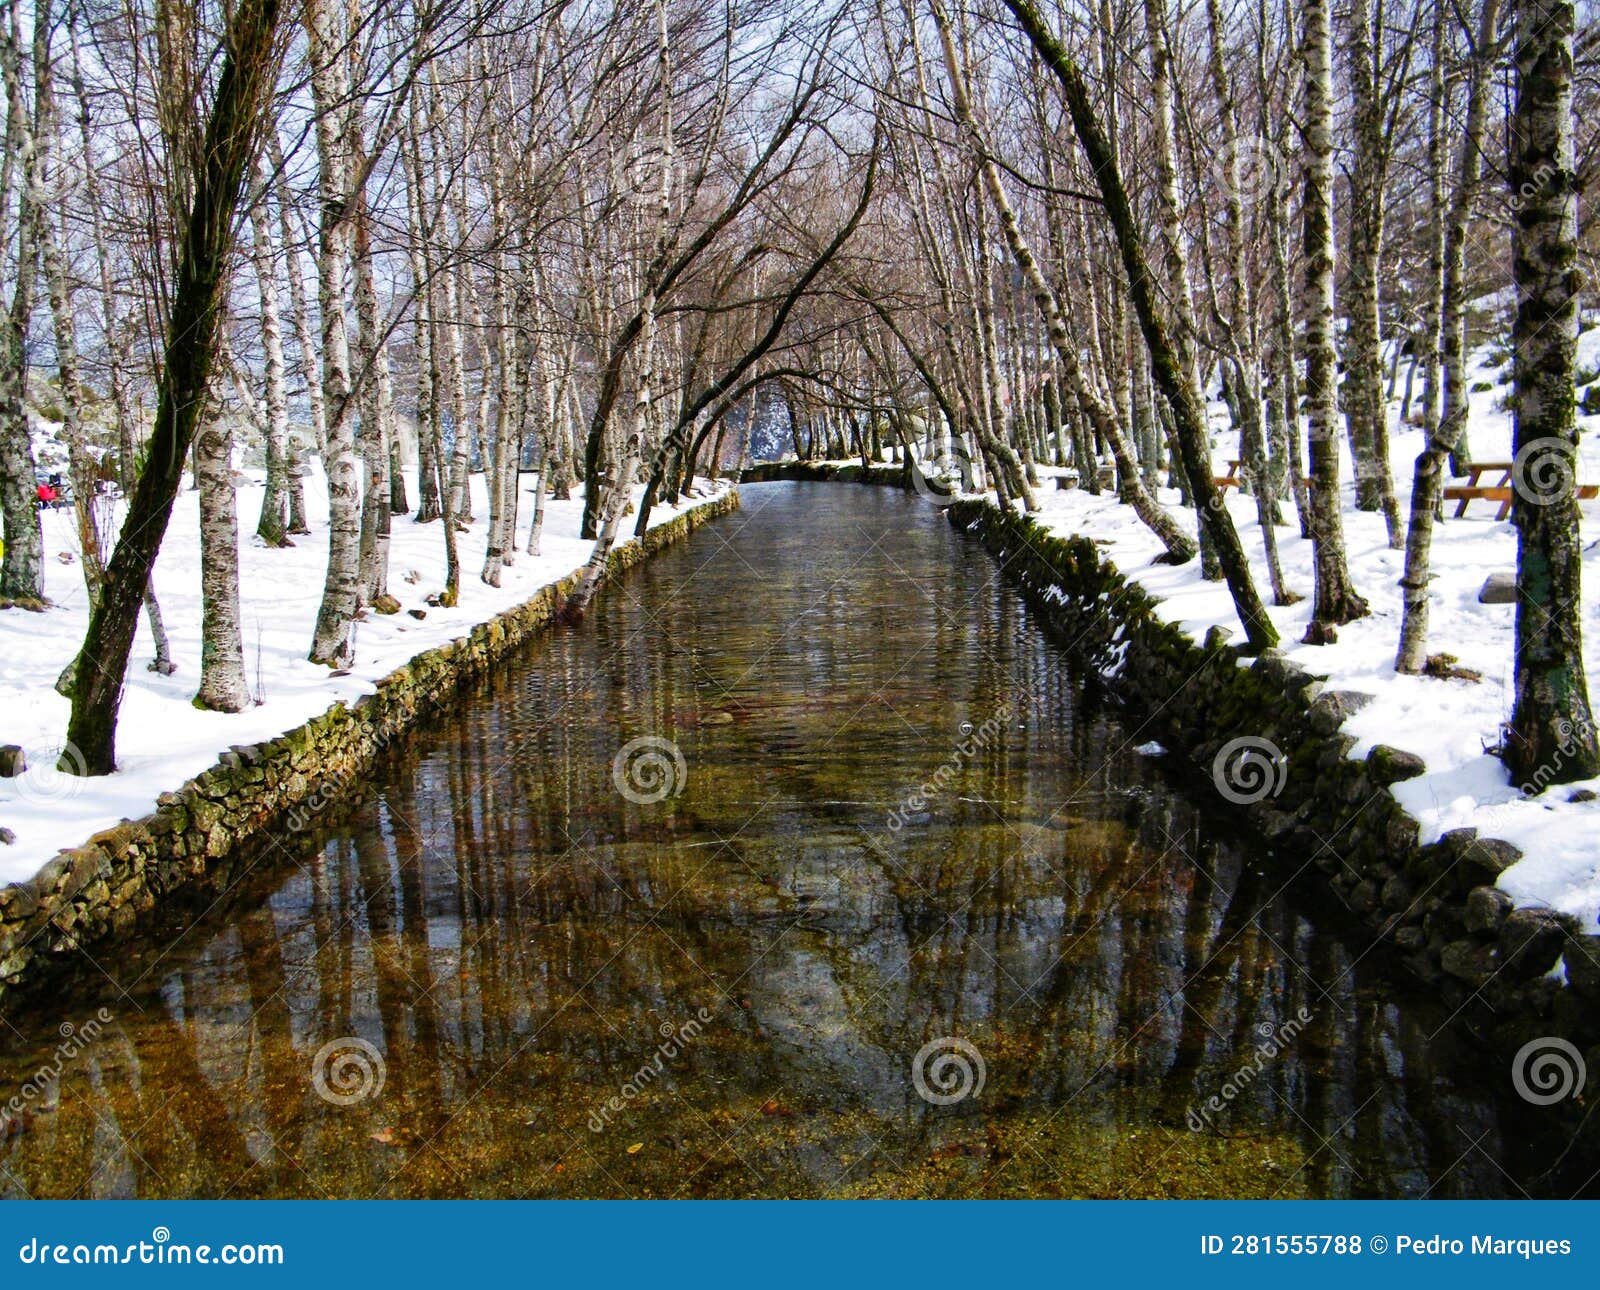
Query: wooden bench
1231, 479
1500, 491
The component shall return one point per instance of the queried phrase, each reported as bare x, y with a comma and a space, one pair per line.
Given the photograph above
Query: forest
421, 243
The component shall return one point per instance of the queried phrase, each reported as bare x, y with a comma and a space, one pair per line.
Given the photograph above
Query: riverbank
1271, 741
1297, 745
285, 759
163, 739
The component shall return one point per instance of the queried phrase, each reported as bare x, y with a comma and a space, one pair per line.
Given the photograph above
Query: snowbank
1450, 724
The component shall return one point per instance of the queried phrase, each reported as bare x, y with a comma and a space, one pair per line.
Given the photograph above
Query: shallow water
799, 972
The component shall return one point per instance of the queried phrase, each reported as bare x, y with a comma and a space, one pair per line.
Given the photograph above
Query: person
48, 494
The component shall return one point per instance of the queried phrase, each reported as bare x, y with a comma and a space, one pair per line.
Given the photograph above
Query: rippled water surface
900, 828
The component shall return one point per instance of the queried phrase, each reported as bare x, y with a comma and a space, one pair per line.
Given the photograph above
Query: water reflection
722, 993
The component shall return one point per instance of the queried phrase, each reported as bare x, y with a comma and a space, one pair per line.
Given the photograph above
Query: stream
806, 865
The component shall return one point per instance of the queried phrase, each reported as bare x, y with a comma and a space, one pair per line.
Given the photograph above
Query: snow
163, 739
1449, 723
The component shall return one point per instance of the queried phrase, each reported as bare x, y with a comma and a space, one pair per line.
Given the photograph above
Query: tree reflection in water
518, 941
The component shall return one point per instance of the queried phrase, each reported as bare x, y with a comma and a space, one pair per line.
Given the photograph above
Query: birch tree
1334, 601
229, 141
1551, 738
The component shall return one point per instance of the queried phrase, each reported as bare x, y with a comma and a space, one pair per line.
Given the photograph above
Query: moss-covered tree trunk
230, 138
1552, 735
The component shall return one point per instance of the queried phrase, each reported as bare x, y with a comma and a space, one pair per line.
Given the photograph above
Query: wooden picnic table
1501, 491
1231, 479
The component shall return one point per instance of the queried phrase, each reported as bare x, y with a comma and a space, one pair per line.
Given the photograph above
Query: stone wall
1435, 906
198, 835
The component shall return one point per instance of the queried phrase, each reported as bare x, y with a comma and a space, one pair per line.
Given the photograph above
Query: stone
12, 761
1482, 860
1386, 765
7, 837
204, 814
418, 614
1582, 795
1581, 954
1364, 897
1331, 709
1486, 909
1335, 751
1410, 938
1397, 894
1498, 589
385, 604
1531, 940
1469, 960
1399, 836
13, 963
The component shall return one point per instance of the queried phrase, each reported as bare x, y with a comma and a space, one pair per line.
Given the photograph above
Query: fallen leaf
385, 1136
636, 1148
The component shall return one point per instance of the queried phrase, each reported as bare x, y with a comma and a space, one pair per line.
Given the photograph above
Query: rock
1435, 859
418, 614
1331, 709
1335, 752
1531, 940
1582, 795
385, 604
1469, 960
1386, 765
1409, 938
1397, 894
1399, 836
1487, 908
1498, 589
1582, 957
12, 761
7, 837
1482, 861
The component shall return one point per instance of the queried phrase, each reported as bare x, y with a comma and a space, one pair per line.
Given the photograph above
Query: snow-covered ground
163, 739
1449, 723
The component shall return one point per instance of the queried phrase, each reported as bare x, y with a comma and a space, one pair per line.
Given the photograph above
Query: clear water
725, 992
